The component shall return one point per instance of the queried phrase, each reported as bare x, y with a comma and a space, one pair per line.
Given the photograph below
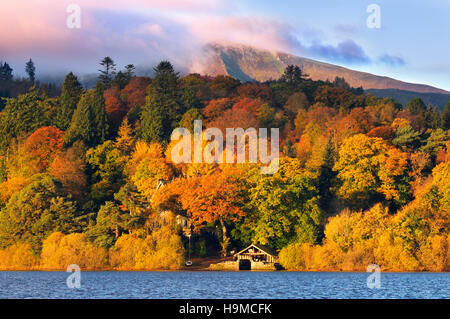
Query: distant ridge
247, 63
403, 97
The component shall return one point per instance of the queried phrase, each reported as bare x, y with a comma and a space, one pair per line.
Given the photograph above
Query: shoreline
209, 270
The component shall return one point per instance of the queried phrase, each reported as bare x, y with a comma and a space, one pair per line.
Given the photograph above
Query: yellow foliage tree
60, 251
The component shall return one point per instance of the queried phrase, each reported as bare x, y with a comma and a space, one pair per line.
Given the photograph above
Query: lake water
206, 284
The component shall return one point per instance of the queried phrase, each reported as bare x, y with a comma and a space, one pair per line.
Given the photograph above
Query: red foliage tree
135, 91
255, 91
250, 105
44, 144
385, 132
216, 108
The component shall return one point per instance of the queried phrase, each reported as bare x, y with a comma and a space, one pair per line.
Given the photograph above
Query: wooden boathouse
257, 253
254, 257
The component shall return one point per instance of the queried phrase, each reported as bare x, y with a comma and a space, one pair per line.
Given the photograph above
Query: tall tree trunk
224, 237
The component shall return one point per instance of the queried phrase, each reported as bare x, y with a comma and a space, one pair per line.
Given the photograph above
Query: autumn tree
149, 168
224, 86
125, 140
369, 170
69, 167
214, 198
297, 101
44, 144
255, 91
215, 108
187, 121
135, 91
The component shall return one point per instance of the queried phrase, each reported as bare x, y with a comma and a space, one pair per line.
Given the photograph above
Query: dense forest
86, 175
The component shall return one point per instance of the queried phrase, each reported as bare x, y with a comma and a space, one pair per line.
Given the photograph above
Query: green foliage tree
163, 110
71, 92
107, 73
187, 121
121, 79
433, 117
190, 99
35, 212
130, 68
266, 116
89, 121
436, 142
30, 69
110, 223
416, 106
445, 117
406, 138
5, 82
108, 167
5, 72
293, 75
21, 115
285, 207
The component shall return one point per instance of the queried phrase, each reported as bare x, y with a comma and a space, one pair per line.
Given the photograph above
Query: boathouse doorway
245, 264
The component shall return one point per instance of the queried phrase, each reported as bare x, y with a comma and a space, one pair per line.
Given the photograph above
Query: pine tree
121, 80
293, 75
100, 117
130, 68
125, 140
89, 121
107, 74
445, 116
163, 110
153, 123
31, 70
432, 117
71, 92
5, 72
416, 106
5, 82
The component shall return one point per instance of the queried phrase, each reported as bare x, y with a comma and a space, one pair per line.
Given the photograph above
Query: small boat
189, 262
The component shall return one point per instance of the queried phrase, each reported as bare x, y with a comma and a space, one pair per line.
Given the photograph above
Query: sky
411, 44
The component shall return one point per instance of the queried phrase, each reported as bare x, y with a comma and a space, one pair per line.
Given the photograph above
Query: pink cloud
251, 30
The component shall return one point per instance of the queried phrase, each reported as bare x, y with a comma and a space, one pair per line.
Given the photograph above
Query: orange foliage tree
44, 144
211, 198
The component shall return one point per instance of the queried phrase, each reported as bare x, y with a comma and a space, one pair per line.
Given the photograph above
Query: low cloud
347, 51
391, 60
139, 32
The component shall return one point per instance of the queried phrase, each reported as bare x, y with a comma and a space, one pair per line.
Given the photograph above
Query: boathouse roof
265, 249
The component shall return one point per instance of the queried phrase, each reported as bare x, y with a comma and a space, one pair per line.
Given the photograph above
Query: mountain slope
247, 63
403, 97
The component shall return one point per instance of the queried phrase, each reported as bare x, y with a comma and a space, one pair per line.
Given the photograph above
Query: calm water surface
18, 284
